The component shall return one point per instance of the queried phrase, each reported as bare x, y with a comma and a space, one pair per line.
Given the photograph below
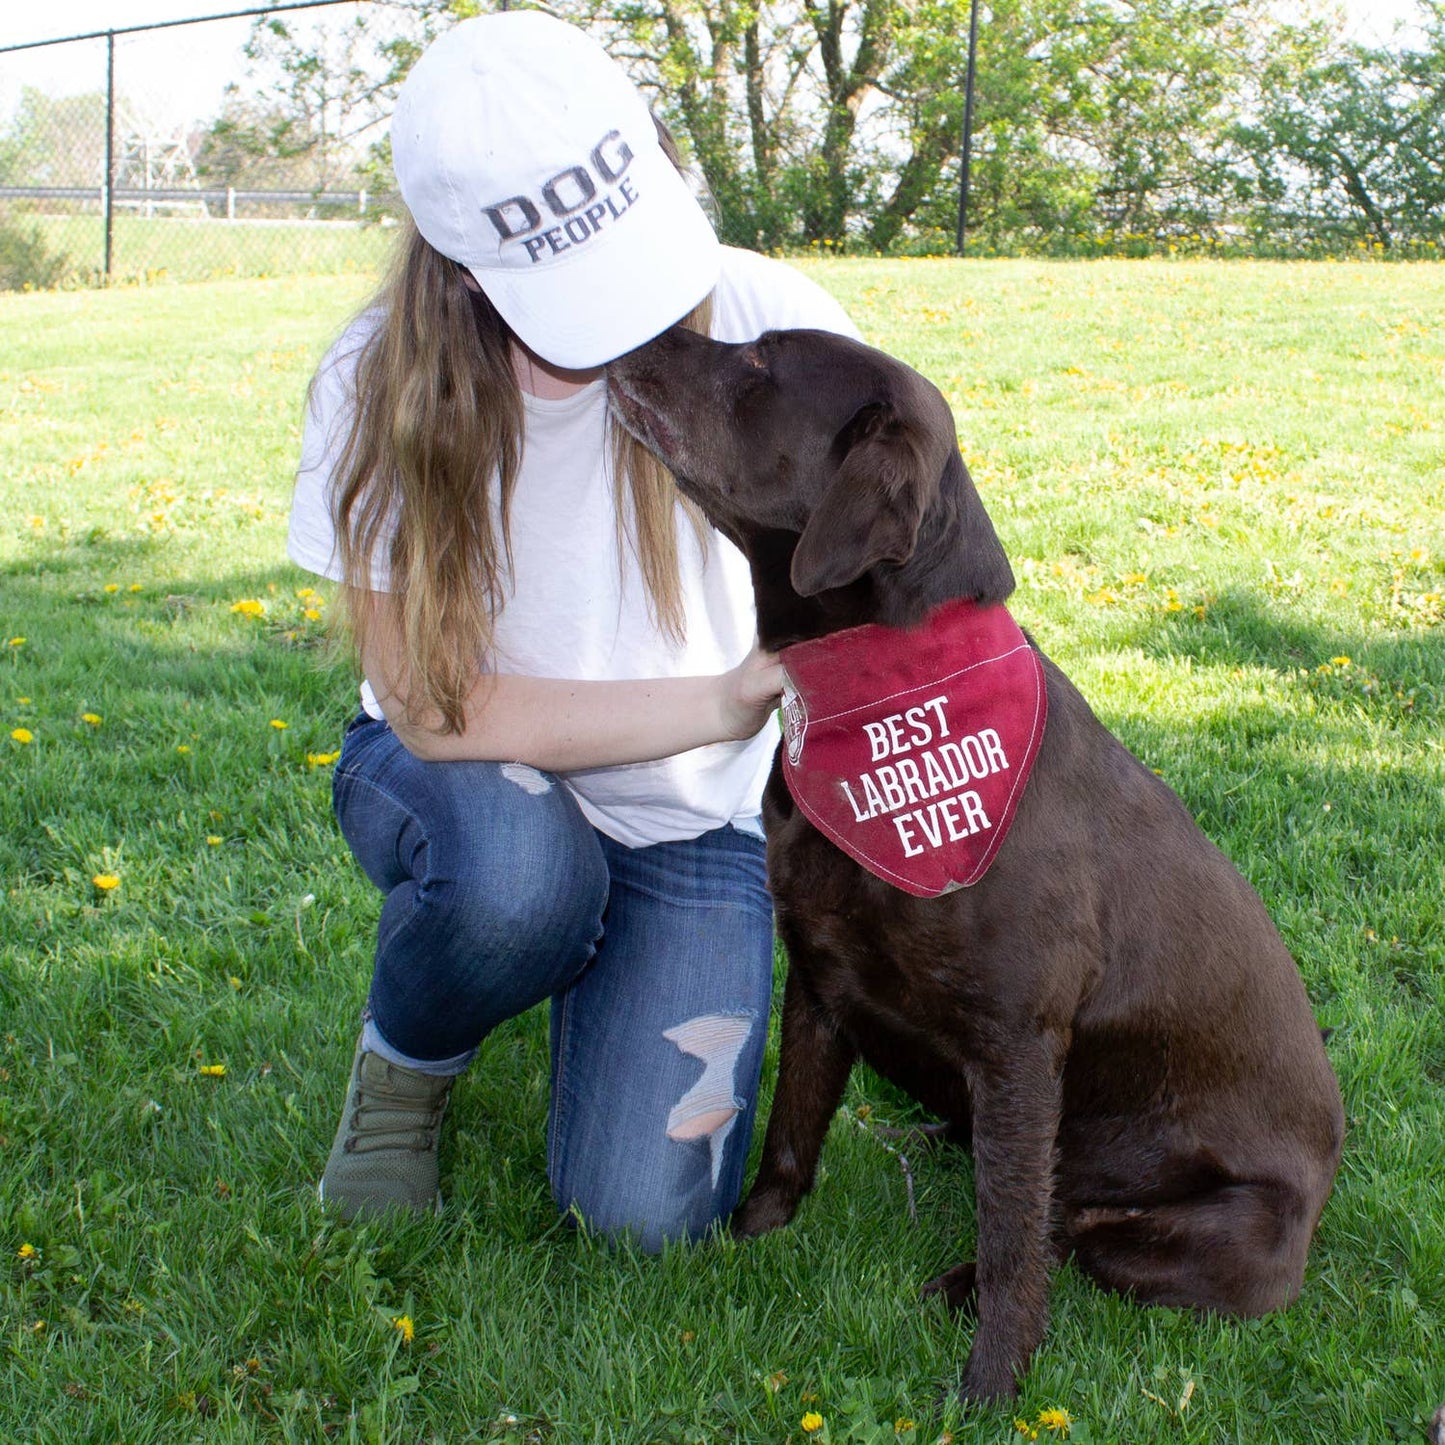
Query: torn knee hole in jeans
710, 1107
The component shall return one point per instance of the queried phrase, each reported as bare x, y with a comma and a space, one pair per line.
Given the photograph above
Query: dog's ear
874, 504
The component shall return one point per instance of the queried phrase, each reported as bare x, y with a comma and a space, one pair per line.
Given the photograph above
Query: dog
1105, 1010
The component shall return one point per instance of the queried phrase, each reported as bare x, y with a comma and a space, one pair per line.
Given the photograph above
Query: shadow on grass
88, 634
1241, 630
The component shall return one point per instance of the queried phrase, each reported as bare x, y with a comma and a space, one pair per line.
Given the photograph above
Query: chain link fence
198, 149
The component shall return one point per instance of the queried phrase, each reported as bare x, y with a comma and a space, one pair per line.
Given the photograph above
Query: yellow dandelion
900, 1425
312, 614
322, 760
183, 747
23, 701
27, 1251
306, 592
1056, 1420
249, 607
112, 587
811, 1422
93, 718
17, 642
1340, 661
404, 1324
279, 725
214, 840
22, 735
234, 982
214, 1071
106, 881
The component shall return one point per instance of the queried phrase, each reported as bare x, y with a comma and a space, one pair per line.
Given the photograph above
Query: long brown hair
438, 424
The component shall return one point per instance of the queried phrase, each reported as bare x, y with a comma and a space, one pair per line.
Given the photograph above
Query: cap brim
619, 290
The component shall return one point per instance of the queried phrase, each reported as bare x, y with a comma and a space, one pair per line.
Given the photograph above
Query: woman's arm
560, 725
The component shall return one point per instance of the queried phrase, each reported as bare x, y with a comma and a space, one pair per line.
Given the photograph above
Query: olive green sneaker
385, 1152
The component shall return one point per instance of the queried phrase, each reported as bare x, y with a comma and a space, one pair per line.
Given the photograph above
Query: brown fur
1109, 1012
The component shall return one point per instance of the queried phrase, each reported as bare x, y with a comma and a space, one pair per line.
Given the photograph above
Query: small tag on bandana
910, 749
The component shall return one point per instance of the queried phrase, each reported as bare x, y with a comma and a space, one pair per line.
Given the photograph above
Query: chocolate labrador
1103, 1008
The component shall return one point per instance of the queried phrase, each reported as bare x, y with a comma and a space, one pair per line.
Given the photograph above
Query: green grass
195, 248
1217, 483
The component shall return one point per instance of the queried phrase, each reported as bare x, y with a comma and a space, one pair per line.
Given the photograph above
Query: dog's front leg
1015, 1126
813, 1066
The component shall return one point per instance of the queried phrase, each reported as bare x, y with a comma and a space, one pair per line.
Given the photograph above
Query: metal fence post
109, 145
967, 128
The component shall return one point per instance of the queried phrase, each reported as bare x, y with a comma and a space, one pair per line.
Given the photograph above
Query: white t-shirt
571, 610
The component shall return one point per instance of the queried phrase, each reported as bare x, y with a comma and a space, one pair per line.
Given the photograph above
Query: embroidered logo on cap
910, 749
570, 207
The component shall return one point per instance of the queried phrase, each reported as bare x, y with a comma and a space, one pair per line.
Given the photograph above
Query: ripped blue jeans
657, 961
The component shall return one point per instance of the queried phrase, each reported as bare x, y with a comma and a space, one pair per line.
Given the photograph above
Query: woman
555, 778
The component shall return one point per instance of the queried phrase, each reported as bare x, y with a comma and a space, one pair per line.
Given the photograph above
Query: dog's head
833, 466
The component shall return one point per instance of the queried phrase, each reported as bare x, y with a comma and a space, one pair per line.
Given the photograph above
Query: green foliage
1220, 486
1155, 126
54, 140
840, 123
26, 261
1348, 139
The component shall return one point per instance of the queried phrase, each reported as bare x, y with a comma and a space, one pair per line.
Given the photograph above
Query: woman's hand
750, 694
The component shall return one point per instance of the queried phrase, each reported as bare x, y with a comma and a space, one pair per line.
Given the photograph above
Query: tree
55, 140
1350, 138
841, 120
316, 95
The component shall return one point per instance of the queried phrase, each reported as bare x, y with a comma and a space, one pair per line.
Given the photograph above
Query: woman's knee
679, 1199
685, 1142
481, 851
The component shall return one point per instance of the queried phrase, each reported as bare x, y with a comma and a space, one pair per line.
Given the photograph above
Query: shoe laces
385, 1116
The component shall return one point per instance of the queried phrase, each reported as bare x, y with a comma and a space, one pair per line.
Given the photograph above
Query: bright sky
180, 74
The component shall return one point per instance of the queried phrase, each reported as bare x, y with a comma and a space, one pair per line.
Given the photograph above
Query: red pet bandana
910, 749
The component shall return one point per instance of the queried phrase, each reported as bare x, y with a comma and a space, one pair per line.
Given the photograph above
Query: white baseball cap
525, 153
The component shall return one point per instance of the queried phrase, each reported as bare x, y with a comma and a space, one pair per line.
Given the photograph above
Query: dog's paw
987, 1381
761, 1211
958, 1286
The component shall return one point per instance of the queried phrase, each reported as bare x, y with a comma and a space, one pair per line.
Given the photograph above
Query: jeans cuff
373, 1042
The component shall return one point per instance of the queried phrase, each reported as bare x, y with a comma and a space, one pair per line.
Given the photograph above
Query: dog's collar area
910, 748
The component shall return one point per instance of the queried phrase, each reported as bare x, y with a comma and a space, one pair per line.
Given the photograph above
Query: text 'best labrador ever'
919, 773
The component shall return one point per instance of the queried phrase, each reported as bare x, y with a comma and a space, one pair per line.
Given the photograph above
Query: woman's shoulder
341, 356
757, 293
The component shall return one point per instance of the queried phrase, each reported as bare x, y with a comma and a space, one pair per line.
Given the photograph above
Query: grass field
197, 248
1223, 489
